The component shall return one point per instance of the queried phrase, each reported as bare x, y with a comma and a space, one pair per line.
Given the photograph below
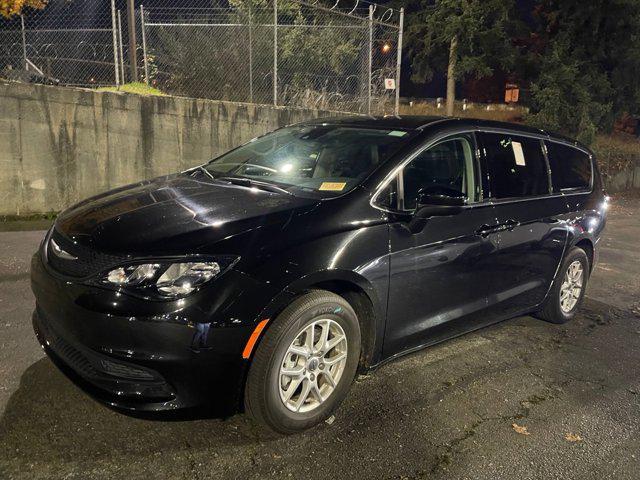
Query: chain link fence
50, 47
344, 55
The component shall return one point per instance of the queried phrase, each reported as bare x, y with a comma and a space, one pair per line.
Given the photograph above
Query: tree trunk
451, 72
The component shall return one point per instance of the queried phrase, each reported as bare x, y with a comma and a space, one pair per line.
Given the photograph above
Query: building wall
60, 145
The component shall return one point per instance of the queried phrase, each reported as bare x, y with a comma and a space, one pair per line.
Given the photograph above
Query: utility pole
133, 57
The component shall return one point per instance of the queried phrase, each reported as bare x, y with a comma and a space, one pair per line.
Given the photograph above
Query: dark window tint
570, 167
443, 169
516, 165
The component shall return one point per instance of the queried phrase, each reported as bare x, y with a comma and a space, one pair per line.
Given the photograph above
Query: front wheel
304, 364
567, 292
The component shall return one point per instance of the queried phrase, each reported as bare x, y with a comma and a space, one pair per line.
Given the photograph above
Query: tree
316, 56
9, 8
569, 95
460, 36
588, 65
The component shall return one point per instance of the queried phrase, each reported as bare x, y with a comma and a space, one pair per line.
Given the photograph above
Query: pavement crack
445, 457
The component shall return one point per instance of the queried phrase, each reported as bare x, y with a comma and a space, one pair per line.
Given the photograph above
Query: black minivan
266, 279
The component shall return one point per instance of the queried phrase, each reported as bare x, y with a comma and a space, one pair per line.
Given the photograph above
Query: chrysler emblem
60, 252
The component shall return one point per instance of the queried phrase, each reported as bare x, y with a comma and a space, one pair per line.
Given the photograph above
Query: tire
267, 386
552, 309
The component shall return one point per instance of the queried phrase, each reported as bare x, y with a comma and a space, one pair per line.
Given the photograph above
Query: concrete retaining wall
60, 145
627, 179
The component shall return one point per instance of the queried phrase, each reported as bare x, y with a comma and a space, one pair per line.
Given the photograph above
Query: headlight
183, 278
167, 280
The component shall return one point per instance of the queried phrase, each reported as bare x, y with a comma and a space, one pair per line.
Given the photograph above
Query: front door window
446, 168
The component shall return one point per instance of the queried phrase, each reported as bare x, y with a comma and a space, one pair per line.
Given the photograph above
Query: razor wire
53, 48
342, 55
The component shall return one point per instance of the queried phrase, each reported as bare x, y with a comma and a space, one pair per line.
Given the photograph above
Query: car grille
124, 371
72, 357
87, 262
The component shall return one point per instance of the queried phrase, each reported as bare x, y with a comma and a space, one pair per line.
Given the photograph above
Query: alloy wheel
313, 365
571, 287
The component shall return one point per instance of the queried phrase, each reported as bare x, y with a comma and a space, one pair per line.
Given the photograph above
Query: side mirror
430, 205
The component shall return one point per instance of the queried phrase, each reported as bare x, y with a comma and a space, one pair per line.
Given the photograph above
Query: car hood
176, 214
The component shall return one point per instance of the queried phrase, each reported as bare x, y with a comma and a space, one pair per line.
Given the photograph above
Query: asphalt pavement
522, 399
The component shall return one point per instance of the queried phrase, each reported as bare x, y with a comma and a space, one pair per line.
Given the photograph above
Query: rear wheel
304, 364
568, 290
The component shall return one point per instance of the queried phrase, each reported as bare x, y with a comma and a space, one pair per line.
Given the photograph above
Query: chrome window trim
534, 197
543, 135
485, 201
396, 171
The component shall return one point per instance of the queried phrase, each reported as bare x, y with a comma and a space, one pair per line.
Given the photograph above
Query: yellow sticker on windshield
333, 186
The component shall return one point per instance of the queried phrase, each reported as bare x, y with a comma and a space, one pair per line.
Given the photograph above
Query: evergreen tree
589, 65
460, 37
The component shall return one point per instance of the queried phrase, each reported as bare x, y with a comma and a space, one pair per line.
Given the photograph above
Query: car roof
411, 122
419, 122
422, 122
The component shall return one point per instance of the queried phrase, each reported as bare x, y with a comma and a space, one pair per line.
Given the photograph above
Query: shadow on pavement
50, 417
445, 411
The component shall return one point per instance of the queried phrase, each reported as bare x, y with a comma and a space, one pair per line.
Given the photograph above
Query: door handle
511, 224
485, 230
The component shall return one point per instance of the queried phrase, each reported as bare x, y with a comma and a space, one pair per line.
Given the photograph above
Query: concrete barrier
621, 171
60, 145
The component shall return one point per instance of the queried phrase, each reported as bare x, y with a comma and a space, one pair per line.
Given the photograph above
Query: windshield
322, 158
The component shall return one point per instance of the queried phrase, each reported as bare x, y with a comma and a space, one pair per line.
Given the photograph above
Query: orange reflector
248, 348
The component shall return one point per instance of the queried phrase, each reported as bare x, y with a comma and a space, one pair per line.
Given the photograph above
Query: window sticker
333, 186
519, 154
397, 133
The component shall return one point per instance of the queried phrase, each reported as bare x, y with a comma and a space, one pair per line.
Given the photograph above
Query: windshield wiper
249, 183
205, 171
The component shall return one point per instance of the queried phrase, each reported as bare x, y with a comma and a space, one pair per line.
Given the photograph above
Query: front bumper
144, 355
116, 383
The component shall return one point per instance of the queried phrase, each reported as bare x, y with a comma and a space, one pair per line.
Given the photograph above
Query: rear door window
570, 167
516, 166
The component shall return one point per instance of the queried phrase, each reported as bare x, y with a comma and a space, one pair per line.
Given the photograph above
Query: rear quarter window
571, 168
